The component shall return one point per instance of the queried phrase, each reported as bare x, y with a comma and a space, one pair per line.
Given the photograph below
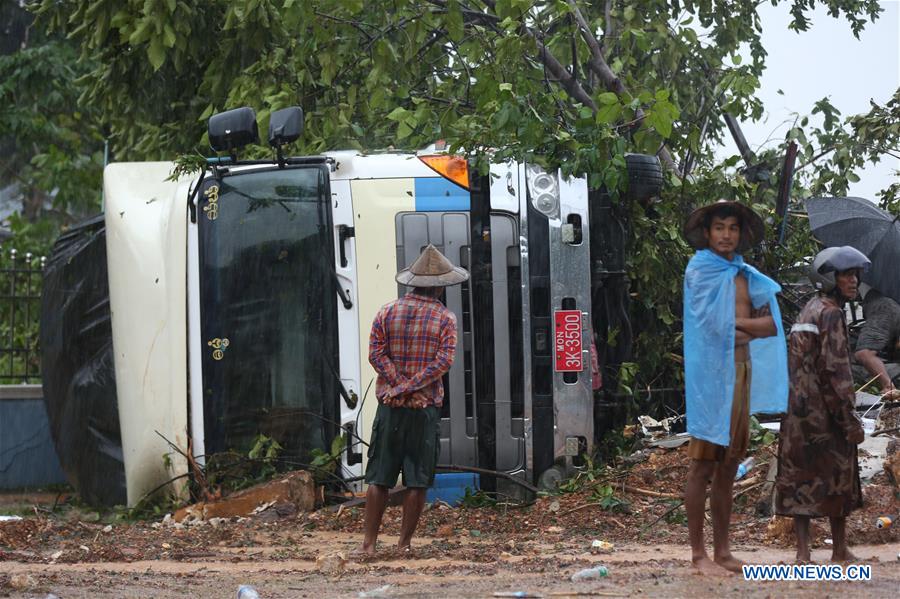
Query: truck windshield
268, 311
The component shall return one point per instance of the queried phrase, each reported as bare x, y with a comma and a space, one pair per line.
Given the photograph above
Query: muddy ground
479, 550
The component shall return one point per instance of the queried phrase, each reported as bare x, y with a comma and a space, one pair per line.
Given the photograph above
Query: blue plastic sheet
709, 346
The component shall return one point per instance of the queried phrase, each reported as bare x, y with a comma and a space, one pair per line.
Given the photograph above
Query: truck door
263, 316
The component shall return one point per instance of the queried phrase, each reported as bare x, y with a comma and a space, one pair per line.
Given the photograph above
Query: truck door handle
344, 233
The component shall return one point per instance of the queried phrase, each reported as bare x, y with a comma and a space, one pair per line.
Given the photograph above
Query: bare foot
706, 567
362, 553
729, 562
845, 556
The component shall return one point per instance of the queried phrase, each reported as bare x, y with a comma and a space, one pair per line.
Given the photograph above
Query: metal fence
21, 276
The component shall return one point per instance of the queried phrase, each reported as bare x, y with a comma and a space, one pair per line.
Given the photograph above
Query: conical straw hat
752, 230
432, 269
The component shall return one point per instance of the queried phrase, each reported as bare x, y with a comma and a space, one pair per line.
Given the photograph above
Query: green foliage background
565, 83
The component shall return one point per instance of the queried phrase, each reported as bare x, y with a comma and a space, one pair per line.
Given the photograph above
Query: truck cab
242, 301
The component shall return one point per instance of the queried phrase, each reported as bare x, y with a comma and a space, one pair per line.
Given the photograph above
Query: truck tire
645, 176
551, 478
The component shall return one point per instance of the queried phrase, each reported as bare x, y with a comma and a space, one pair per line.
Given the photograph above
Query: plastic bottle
743, 468
884, 522
245, 591
591, 573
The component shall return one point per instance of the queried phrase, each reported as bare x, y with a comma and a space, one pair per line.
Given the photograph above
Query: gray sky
828, 61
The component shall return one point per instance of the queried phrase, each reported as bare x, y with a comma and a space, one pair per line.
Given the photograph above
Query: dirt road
438, 568
477, 550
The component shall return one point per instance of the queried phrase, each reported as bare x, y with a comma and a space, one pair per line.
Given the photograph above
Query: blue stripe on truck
436, 194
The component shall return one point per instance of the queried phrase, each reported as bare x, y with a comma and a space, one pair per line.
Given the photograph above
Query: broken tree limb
886, 431
579, 508
473, 469
649, 493
749, 488
666, 513
739, 139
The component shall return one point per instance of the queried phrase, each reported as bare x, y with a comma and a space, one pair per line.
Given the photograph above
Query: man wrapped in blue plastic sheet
732, 327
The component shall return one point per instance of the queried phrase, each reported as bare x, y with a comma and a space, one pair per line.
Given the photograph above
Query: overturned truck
241, 302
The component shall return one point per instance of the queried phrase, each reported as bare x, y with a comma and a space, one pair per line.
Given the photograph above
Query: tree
839, 149
51, 146
562, 82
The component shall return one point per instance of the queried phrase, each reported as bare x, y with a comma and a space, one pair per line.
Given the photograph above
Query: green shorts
406, 439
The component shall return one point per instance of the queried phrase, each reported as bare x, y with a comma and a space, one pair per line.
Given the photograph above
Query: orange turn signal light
450, 167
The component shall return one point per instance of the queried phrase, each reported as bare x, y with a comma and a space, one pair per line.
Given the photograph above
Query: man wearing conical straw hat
411, 347
731, 321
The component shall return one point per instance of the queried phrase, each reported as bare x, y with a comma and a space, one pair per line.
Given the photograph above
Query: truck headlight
543, 188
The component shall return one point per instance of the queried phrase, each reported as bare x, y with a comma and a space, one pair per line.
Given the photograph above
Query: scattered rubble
619, 505
598, 546
332, 564
892, 469
296, 491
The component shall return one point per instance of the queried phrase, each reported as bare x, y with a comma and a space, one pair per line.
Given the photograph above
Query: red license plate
567, 341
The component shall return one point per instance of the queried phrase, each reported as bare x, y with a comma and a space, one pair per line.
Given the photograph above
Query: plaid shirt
411, 347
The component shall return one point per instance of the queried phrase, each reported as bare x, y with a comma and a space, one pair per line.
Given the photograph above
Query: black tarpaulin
77, 364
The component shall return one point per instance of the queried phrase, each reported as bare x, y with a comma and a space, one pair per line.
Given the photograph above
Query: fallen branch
750, 488
667, 512
746, 482
886, 431
473, 469
649, 493
578, 508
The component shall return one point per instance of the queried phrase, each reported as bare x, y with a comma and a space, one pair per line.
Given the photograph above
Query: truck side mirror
285, 126
232, 130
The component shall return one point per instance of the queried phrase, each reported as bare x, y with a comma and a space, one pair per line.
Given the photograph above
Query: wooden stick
577, 508
750, 488
886, 431
649, 493
667, 512
746, 482
871, 380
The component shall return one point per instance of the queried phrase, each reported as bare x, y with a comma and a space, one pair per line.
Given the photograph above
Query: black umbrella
861, 224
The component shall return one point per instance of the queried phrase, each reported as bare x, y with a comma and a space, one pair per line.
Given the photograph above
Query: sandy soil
536, 568
471, 551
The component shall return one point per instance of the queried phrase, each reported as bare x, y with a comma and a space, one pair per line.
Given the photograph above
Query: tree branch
563, 77
598, 65
608, 28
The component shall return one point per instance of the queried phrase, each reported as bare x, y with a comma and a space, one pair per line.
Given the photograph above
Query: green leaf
168, 36
403, 130
398, 114
608, 114
608, 98
455, 23
156, 52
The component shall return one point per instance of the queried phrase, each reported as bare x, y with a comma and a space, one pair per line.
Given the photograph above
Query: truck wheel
550, 479
645, 176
